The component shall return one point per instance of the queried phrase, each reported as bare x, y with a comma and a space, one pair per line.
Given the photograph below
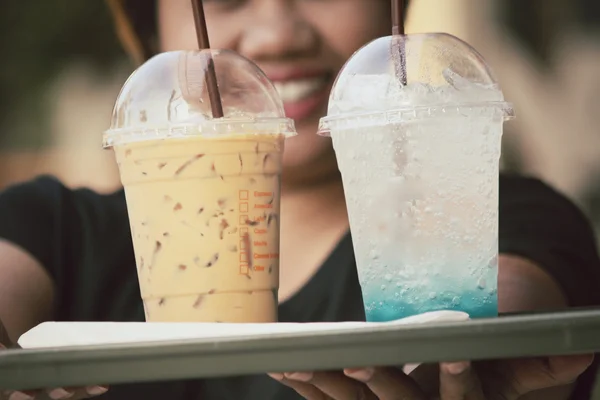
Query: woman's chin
308, 156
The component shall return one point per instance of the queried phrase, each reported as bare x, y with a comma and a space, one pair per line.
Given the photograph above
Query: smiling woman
547, 246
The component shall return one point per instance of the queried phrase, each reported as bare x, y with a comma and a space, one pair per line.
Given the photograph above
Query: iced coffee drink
203, 206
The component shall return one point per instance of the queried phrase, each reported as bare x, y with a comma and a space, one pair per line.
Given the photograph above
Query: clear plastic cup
203, 194
416, 123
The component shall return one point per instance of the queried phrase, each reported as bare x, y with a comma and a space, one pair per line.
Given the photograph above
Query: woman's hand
46, 394
496, 380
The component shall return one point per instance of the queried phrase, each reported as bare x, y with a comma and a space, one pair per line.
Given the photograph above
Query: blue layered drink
419, 158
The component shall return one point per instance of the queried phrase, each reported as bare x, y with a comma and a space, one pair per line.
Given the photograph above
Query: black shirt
83, 240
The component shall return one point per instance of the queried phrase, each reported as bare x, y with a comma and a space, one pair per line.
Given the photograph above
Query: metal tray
508, 336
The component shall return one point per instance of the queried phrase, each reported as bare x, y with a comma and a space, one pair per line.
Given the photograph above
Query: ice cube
415, 93
455, 80
469, 90
363, 92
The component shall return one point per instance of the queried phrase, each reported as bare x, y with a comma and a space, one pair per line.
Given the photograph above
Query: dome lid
168, 97
407, 77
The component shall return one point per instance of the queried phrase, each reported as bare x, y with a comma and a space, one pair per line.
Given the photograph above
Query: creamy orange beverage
204, 215
202, 193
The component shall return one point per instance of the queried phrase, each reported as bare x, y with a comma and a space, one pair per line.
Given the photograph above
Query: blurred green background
37, 40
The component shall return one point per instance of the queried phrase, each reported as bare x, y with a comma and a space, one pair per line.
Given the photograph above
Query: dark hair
143, 17
136, 25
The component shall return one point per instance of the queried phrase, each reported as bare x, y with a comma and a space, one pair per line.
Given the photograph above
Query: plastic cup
202, 194
420, 166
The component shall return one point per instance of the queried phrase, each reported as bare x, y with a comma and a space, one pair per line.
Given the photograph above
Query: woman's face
300, 44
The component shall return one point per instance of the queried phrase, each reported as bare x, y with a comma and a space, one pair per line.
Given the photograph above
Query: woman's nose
276, 29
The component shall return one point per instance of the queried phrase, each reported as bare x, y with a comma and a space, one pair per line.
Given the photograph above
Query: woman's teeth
300, 89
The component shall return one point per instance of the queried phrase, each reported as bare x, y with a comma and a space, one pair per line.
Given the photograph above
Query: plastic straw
204, 43
397, 17
398, 29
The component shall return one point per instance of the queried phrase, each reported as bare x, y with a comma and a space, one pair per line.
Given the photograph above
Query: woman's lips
301, 98
303, 95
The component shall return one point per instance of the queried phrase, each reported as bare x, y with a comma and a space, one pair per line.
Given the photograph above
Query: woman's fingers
361, 384
566, 369
458, 381
387, 383
512, 379
16, 395
324, 386
333, 385
22, 395
336, 385
77, 393
55, 393
523, 376
306, 390
498, 380
60, 393
96, 390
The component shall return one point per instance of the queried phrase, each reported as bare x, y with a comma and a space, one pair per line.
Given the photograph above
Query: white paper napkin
67, 334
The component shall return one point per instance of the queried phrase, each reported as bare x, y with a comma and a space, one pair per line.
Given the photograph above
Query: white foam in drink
420, 166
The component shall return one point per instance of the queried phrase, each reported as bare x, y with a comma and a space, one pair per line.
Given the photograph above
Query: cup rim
212, 128
344, 121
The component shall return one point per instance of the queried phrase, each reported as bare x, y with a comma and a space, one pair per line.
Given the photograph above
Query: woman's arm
525, 286
33, 243
26, 291
549, 262
28, 243
541, 225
